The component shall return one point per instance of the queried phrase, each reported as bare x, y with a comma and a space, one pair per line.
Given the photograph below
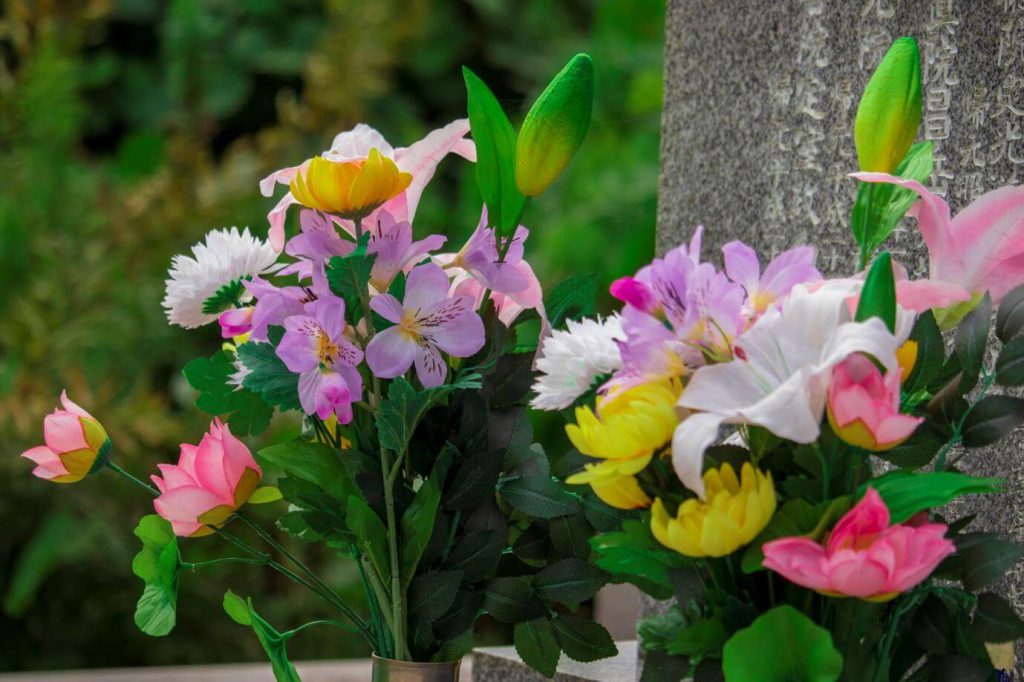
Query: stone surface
502, 664
757, 137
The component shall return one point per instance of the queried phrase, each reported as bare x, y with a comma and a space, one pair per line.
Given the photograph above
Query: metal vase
388, 670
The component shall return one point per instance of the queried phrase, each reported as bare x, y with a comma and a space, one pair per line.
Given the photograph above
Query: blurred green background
128, 128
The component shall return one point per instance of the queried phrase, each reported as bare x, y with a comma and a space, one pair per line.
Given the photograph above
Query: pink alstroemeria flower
426, 323
508, 306
982, 248
420, 159
208, 484
316, 244
275, 304
235, 322
74, 440
865, 557
864, 407
315, 347
392, 244
784, 272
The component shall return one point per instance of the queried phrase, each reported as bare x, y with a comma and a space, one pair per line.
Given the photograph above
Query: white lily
779, 379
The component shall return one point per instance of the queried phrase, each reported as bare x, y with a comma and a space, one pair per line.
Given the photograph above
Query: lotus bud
890, 109
555, 127
76, 445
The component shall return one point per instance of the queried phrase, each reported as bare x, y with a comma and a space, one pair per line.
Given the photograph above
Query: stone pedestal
757, 138
502, 664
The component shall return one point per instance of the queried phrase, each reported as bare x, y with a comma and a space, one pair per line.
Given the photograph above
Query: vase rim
418, 665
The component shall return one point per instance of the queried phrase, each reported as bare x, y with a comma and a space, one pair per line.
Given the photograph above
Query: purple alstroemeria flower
479, 257
426, 323
318, 242
275, 304
639, 291
391, 242
785, 271
314, 347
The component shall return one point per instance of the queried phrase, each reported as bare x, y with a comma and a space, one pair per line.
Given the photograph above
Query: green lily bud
555, 126
890, 110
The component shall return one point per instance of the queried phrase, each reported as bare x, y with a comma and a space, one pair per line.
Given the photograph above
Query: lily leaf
159, 566
782, 645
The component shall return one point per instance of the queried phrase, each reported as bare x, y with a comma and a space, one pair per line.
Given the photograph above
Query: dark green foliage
268, 376
247, 412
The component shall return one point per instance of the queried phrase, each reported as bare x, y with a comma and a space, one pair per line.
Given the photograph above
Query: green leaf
511, 600
907, 493
702, 638
970, 341
264, 494
159, 566
996, 621
348, 277
224, 298
583, 640
636, 555
236, 607
315, 463
931, 353
247, 412
461, 615
536, 644
476, 554
273, 642
495, 140
475, 480
572, 299
917, 451
1010, 317
878, 297
661, 666
570, 537
418, 524
432, 594
569, 582
371, 535
538, 496
795, 518
992, 418
533, 544
404, 407
1010, 364
268, 376
889, 203
782, 645
984, 558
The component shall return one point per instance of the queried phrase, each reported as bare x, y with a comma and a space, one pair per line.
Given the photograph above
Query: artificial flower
864, 557
785, 271
394, 250
572, 361
624, 433
481, 257
508, 305
906, 356
236, 322
314, 346
76, 444
889, 112
208, 484
419, 160
734, 511
314, 246
349, 189
275, 304
780, 375
224, 257
864, 406
426, 323
981, 249
555, 126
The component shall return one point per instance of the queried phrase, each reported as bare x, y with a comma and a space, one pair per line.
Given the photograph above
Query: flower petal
390, 353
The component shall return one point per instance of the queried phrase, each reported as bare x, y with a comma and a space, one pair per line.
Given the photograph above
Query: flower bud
864, 406
555, 127
76, 445
890, 109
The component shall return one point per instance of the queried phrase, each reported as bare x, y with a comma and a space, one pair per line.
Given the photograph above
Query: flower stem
862, 262
227, 560
940, 462
142, 484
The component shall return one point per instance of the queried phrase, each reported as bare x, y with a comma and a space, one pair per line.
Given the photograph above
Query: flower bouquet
787, 444
410, 368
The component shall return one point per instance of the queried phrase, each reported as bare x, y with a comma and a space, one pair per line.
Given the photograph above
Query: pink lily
982, 248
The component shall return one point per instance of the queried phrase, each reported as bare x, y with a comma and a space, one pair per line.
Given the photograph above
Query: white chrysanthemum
225, 256
237, 378
572, 361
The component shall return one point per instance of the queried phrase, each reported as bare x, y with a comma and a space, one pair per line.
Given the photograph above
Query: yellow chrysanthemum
352, 189
625, 432
733, 513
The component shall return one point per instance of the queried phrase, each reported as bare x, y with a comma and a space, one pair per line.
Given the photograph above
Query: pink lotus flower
982, 248
864, 406
865, 557
74, 441
420, 159
426, 323
208, 484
